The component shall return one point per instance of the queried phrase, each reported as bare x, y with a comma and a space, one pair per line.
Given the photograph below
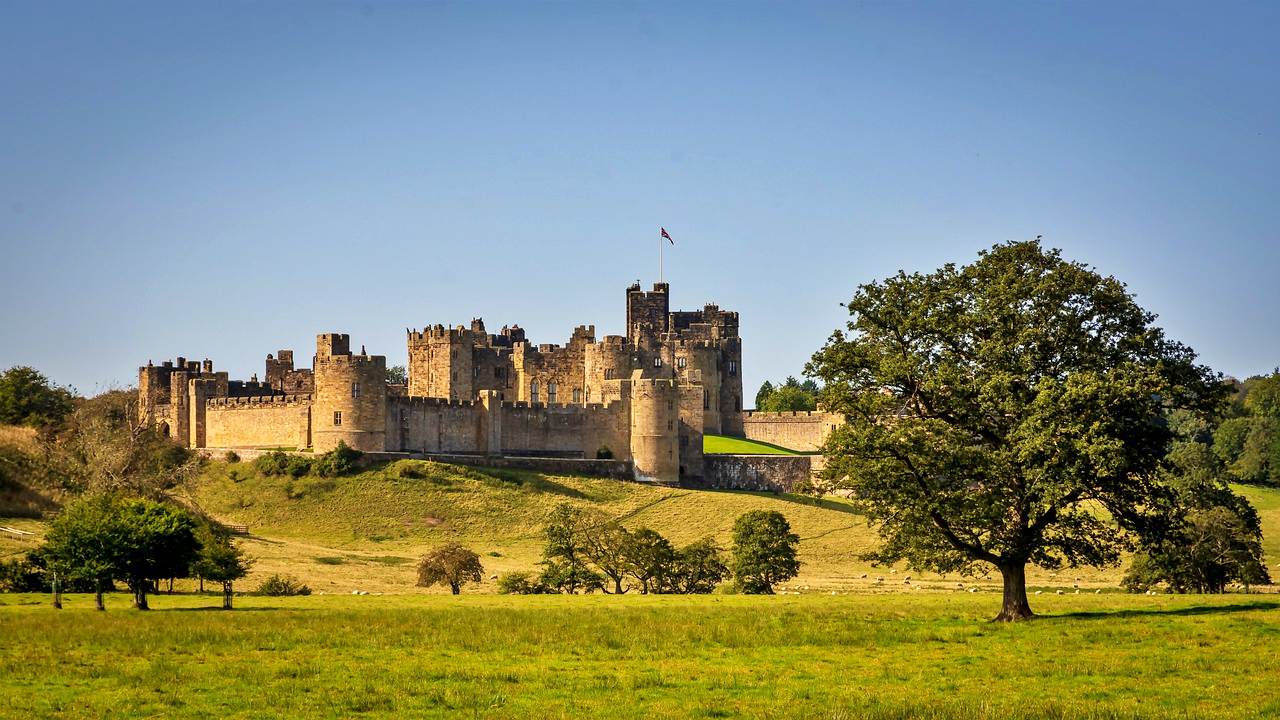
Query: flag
665, 235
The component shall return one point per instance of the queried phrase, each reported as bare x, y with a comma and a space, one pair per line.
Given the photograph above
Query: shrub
604, 453
232, 456
282, 586
520, 583
273, 463
297, 466
338, 461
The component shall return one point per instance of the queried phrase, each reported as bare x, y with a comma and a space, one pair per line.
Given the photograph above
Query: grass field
725, 445
932, 656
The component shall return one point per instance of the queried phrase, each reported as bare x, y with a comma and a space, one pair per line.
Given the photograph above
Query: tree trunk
57, 592
140, 596
97, 595
226, 596
617, 586
456, 588
1015, 605
202, 586
170, 586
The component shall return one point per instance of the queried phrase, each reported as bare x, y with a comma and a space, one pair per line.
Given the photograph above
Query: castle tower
655, 419
647, 313
731, 386
441, 362
350, 398
699, 361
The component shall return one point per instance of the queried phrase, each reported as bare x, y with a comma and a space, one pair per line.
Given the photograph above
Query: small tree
451, 565
764, 551
86, 542
565, 557
650, 559
220, 561
699, 568
397, 375
155, 541
762, 395
28, 398
605, 546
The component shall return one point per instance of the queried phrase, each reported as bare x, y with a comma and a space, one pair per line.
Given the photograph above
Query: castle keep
646, 397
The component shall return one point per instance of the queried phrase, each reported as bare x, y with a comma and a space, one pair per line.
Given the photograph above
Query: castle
646, 397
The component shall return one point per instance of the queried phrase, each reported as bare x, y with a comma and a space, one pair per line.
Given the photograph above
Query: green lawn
857, 656
725, 445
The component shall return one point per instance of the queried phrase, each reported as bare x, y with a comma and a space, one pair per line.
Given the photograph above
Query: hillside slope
366, 531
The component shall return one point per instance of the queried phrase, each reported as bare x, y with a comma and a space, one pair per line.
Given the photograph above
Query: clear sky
226, 179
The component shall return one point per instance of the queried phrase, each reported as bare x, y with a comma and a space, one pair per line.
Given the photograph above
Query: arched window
533, 392
551, 393
577, 396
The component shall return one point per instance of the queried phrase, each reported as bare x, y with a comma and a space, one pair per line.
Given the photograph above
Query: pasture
855, 656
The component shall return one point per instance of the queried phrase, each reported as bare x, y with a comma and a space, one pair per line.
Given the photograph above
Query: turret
350, 397
655, 418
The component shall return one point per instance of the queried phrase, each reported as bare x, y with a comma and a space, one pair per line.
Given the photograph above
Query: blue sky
225, 179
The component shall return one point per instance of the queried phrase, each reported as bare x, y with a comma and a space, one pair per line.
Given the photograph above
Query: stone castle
646, 397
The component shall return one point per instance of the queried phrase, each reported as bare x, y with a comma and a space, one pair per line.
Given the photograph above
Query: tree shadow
1172, 612
822, 503
219, 608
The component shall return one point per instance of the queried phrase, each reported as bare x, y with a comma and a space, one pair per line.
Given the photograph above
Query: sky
226, 179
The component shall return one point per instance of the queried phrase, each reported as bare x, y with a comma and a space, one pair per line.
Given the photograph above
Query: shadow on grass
811, 501
1155, 612
219, 608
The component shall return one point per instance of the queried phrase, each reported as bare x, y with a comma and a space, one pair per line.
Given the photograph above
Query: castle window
706, 400
577, 396
337, 417
355, 389
680, 362
475, 372
533, 392
657, 362
671, 425
737, 404
497, 373
551, 393
733, 367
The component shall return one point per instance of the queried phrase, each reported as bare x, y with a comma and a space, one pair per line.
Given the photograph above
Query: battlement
440, 332
352, 360
761, 415
417, 401
256, 401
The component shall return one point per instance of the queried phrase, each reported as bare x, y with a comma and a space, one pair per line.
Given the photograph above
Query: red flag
665, 235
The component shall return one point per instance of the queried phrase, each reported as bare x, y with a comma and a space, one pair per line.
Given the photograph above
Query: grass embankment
366, 531
726, 445
1109, 656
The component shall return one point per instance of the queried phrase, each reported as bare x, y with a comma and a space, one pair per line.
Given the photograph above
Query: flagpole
660, 249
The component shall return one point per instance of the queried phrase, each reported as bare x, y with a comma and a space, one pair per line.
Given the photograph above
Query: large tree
1006, 413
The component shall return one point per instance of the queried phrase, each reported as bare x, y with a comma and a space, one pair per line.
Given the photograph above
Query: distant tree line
1248, 440
791, 395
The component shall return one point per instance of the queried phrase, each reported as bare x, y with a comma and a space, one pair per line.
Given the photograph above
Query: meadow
855, 656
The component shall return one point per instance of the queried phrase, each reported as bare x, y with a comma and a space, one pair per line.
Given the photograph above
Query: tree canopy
764, 551
1006, 412
790, 395
27, 397
452, 565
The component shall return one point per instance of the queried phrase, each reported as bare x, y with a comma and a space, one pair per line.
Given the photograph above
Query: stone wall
617, 469
801, 430
275, 421
770, 473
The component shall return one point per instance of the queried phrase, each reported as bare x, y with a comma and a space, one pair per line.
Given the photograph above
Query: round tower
350, 402
655, 423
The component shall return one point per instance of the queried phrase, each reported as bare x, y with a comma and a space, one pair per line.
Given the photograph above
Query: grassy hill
366, 531
724, 444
